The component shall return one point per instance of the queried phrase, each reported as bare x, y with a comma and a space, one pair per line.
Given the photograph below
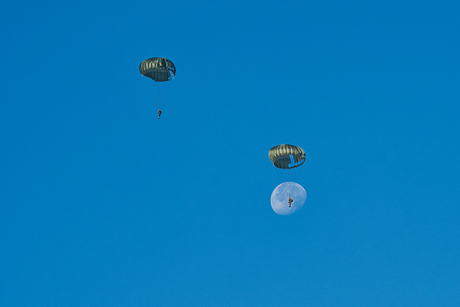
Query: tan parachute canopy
286, 156
158, 69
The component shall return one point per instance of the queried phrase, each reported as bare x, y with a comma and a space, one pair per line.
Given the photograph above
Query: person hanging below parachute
287, 157
159, 70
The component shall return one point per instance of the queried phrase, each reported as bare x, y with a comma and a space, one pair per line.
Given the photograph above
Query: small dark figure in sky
159, 113
290, 201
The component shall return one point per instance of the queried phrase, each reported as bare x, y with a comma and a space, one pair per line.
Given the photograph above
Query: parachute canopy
286, 156
158, 69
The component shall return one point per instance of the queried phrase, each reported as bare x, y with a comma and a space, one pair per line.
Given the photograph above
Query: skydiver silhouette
290, 201
159, 113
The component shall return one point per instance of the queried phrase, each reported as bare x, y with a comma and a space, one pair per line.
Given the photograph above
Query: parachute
158, 69
286, 156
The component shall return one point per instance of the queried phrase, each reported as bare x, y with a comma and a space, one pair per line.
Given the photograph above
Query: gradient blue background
102, 204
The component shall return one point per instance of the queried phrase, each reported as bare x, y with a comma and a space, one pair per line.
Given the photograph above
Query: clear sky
102, 204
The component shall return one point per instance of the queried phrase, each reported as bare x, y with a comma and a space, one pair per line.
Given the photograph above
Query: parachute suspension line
287, 193
162, 93
155, 97
282, 183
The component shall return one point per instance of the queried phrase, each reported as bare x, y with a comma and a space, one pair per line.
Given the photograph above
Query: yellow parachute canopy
286, 156
158, 69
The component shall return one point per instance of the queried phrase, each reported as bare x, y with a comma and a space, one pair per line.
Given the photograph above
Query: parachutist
159, 70
290, 201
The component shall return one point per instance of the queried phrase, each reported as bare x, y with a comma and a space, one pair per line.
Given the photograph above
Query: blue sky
102, 204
